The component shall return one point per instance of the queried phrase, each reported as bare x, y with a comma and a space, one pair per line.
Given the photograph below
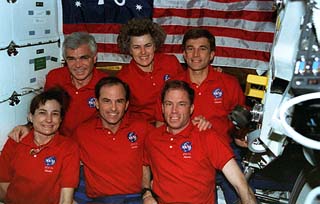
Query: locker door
37, 22
6, 32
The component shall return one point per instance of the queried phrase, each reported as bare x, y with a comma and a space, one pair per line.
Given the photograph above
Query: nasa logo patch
132, 137
186, 147
166, 77
217, 93
50, 161
91, 103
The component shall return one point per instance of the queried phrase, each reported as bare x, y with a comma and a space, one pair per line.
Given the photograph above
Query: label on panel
32, 64
35, 22
6, 75
6, 23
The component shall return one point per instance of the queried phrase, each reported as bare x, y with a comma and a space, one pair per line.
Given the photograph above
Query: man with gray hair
78, 78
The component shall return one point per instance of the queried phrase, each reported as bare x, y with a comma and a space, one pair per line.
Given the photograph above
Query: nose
49, 118
196, 52
78, 62
113, 106
174, 108
143, 50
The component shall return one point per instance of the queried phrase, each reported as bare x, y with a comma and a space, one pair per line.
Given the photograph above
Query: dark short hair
110, 81
76, 39
177, 84
138, 27
55, 93
195, 33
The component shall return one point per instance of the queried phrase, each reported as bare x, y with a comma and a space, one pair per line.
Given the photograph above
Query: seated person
44, 166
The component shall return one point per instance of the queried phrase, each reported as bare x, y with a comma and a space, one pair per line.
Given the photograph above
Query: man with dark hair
184, 160
216, 93
111, 146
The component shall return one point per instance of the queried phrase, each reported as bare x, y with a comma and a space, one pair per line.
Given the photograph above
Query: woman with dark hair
44, 166
148, 70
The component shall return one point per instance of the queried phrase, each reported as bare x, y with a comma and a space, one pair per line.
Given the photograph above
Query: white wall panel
33, 63
37, 21
6, 23
10, 116
6, 75
7, 118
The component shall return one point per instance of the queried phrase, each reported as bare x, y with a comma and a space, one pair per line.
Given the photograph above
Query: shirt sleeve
71, 165
218, 151
6, 157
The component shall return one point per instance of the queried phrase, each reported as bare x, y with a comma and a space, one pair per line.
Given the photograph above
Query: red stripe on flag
225, 32
92, 28
200, 13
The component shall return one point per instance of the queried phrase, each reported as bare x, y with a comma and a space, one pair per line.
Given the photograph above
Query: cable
313, 144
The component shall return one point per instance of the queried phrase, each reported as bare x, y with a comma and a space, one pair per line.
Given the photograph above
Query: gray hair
76, 39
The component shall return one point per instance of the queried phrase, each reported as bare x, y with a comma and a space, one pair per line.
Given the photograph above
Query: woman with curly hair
148, 69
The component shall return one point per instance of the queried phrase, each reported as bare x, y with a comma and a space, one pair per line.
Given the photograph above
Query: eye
183, 104
106, 100
56, 113
70, 58
85, 57
41, 112
167, 104
121, 101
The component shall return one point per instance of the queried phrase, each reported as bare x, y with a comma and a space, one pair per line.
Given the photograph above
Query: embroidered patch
166, 77
132, 137
186, 147
91, 103
217, 93
50, 161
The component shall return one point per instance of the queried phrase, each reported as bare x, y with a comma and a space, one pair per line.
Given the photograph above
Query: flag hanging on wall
244, 30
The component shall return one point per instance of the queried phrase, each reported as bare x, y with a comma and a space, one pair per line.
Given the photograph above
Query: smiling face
197, 53
112, 105
142, 49
47, 118
80, 63
177, 109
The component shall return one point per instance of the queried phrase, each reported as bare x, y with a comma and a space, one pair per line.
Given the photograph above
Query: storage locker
37, 21
6, 23
32, 63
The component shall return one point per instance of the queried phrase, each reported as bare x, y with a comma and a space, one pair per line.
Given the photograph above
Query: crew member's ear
30, 116
191, 109
96, 103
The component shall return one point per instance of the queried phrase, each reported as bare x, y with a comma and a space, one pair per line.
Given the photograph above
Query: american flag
244, 30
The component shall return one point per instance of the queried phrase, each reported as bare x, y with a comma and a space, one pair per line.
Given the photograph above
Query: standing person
111, 147
44, 166
148, 70
184, 160
217, 93
78, 78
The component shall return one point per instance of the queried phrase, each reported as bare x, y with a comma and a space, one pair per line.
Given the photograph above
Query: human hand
201, 122
241, 142
218, 69
149, 200
19, 132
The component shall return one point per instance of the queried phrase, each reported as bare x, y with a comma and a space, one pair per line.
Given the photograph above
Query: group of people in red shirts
154, 133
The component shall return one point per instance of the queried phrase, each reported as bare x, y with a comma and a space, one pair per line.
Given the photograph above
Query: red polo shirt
81, 105
215, 98
112, 162
146, 86
39, 177
184, 165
